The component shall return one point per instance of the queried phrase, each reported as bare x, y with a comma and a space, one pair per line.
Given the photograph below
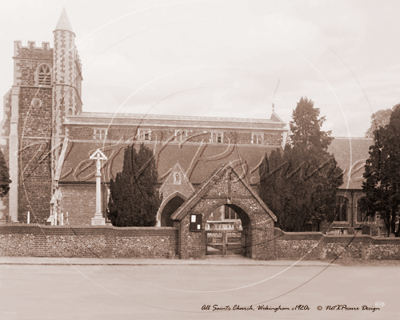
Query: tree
382, 174
305, 127
300, 185
134, 200
379, 119
4, 176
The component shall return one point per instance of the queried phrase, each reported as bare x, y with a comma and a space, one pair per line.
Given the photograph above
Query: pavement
212, 261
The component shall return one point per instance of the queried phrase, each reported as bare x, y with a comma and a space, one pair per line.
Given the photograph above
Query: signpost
98, 217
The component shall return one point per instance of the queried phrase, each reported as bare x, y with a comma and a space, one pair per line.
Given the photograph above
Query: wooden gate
225, 243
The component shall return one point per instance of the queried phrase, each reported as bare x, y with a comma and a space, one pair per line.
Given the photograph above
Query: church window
257, 138
177, 178
341, 208
100, 134
144, 134
70, 112
43, 75
217, 137
181, 135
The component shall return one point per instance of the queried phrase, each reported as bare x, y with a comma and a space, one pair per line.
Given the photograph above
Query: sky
223, 58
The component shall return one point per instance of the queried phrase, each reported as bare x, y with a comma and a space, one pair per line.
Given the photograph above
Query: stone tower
27, 132
67, 81
46, 88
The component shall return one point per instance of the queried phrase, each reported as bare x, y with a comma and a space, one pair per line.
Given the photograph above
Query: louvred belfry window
44, 77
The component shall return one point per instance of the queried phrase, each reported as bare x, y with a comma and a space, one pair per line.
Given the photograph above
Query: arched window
43, 75
70, 112
257, 137
217, 137
342, 204
100, 134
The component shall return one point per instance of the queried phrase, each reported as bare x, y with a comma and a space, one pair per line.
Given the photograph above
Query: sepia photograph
199, 159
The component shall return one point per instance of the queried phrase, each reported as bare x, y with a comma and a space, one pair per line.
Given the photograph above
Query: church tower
67, 75
46, 88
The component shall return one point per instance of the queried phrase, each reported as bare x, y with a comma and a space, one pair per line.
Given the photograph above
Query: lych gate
225, 187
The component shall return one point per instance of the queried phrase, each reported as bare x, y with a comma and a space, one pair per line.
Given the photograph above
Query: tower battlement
30, 51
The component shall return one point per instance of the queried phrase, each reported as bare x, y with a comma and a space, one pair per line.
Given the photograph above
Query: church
47, 140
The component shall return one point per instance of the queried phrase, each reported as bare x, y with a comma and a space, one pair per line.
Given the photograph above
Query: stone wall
315, 245
92, 242
34, 160
149, 242
79, 200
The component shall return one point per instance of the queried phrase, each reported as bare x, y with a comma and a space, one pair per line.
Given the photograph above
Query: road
179, 291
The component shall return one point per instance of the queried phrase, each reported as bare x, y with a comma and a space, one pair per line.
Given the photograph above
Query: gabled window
217, 137
43, 75
257, 137
99, 134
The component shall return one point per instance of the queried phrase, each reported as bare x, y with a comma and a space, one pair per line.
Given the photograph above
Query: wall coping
25, 225
313, 234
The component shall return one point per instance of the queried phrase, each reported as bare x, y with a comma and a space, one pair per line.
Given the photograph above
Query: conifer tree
379, 119
134, 200
4, 176
382, 173
301, 185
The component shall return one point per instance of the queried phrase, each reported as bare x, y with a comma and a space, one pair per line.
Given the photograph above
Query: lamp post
98, 216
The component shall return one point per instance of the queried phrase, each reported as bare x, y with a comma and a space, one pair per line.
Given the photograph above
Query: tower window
70, 112
43, 75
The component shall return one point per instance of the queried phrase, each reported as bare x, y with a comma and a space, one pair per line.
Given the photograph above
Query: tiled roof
197, 160
351, 154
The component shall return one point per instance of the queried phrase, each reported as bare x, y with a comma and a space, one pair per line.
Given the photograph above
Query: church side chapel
47, 139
